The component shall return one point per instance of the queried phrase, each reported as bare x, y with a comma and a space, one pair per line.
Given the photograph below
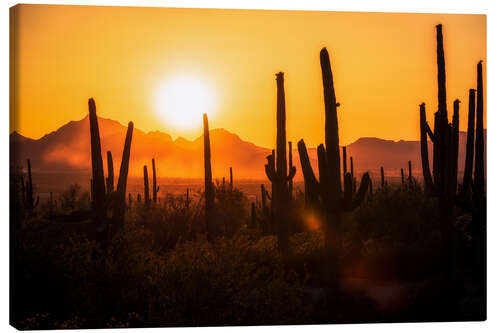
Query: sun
182, 100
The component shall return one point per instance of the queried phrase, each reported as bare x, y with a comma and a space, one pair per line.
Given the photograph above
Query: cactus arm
424, 154
111, 174
311, 184
267, 194
429, 131
121, 187
402, 176
454, 145
269, 168
305, 163
465, 189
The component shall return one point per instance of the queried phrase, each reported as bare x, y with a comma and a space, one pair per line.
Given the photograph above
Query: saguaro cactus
209, 186
110, 180
276, 171
146, 185
155, 188
410, 176
382, 178
98, 186
115, 201
231, 176
335, 202
445, 142
27, 190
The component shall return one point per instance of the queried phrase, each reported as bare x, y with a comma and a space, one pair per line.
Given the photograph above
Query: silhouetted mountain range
68, 149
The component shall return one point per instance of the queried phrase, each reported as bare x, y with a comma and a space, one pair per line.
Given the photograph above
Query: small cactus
29, 201
146, 185
382, 177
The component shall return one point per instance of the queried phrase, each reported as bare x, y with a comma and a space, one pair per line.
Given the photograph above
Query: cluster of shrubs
160, 270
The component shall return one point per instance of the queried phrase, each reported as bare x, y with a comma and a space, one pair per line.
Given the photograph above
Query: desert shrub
397, 231
74, 198
230, 208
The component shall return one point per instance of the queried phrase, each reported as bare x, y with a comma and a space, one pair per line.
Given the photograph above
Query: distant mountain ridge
68, 149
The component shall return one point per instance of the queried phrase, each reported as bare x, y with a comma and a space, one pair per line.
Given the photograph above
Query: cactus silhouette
465, 188
443, 182
382, 177
231, 176
98, 186
209, 186
410, 176
479, 183
276, 170
146, 185
115, 201
155, 188
334, 202
29, 201
111, 176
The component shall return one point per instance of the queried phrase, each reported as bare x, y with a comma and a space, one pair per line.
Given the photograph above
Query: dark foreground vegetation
338, 252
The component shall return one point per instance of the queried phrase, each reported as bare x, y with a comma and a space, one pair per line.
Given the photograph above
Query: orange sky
383, 64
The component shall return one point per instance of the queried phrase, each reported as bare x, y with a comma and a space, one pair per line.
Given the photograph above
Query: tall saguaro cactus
156, 188
335, 203
276, 170
209, 186
98, 186
146, 185
114, 201
445, 140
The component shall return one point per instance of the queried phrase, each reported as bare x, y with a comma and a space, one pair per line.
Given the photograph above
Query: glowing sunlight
181, 101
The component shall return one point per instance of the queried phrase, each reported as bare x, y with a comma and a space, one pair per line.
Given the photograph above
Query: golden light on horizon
384, 66
182, 100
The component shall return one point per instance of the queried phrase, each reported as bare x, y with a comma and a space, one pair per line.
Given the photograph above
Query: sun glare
182, 100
